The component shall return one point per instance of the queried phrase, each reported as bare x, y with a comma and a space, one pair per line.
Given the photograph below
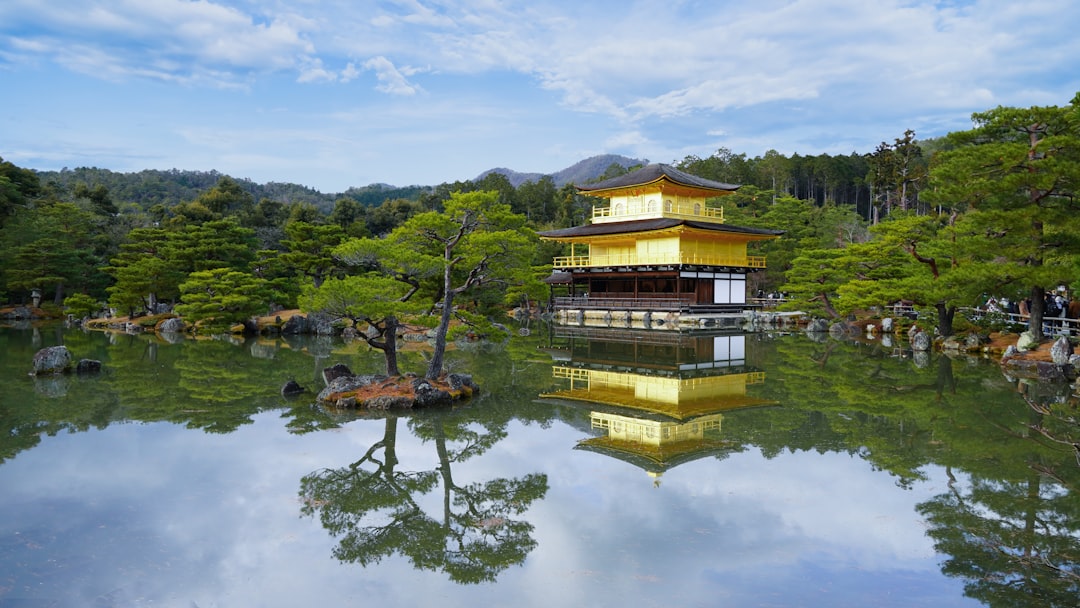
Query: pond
599, 469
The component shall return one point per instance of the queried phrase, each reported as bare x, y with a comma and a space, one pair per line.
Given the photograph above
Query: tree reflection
1015, 535
375, 509
1015, 544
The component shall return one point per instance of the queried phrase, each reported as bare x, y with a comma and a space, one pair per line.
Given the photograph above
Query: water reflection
376, 510
1013, 533
657, 400
871, 464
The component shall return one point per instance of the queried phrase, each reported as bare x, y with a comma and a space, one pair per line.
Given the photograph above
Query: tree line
937, 223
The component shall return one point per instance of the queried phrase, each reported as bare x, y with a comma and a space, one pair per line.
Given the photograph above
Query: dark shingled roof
651, 173
652, 224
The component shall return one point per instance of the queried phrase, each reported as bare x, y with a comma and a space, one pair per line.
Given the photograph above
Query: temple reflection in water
656, 400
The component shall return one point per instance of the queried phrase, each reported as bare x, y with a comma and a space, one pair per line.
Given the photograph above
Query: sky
332, 94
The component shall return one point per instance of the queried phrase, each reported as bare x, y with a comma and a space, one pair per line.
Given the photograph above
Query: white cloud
349, 73
391, 79
794, 75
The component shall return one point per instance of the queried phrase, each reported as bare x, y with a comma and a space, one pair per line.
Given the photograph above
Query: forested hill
151, 187
581, 172
170, 187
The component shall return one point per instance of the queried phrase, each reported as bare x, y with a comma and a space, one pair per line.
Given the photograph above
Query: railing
1051, 325
766, 303
664, 303
633, 259
638, 211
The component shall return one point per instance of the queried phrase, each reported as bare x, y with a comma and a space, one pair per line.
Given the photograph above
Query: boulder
976, 341
921, 342
818, 326
345, 384
1040, 370
297, 324
952, 343
87, 366
460, 382
335, 371
174, 325
887, 325
1026, 341
321, 324
292, 388
427, 395
1061, 350
1074, 360
838, 329
52, 360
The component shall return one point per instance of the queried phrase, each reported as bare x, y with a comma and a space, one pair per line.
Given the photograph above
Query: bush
81, 305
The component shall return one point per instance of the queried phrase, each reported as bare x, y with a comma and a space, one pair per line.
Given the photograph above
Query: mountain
581, 172
151, 187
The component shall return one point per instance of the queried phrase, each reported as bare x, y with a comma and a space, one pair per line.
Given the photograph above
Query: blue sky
338, 93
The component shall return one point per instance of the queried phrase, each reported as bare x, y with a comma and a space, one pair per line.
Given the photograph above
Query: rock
975, 341
952, 344
388, 402
261, 350
1026, 341
887, 325
297, 324
1074, 360
1010, 352
459, 382
334, 372
52, 360
175, 325
87, 366
838, 329
911, 333
321, 324
921, 342
292, 388
427, 395
345, 384
1041, 370
817, 326
920, 358
1061, 350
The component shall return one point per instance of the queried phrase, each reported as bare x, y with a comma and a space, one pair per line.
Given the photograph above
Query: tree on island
429, 263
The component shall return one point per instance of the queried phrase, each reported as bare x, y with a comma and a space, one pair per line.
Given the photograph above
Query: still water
594, 470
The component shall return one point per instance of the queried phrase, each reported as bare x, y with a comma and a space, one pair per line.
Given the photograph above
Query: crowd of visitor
1056, 305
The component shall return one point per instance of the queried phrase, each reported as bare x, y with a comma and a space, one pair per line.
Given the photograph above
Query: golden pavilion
655, 400
656, 255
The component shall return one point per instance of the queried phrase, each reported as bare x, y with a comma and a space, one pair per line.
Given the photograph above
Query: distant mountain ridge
581, 172
150, 187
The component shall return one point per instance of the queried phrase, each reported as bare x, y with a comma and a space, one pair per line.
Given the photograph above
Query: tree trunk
945, 315
435, 368
1036, 313
390, 349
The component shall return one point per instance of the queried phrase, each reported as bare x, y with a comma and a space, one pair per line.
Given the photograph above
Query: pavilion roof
655, 173
653, 224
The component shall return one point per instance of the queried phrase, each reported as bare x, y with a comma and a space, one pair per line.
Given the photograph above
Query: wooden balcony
664, 259
687, 211
681, 303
